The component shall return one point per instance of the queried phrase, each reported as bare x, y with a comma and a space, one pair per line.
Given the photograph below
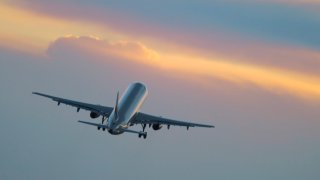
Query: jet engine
94, 115
156, 127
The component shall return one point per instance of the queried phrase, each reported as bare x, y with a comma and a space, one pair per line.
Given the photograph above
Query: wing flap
143, 118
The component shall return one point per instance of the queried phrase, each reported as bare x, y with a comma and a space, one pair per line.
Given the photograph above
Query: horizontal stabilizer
132, 131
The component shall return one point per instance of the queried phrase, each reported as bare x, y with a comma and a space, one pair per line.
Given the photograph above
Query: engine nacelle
156, 127
94, 115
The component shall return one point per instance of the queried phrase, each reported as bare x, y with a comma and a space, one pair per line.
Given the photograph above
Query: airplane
126, 113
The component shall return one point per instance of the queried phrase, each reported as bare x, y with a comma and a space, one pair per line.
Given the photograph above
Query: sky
251, 68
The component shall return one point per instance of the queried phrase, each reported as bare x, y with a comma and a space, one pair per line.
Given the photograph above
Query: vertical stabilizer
116, 109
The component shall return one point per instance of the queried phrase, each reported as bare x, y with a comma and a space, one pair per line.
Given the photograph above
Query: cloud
190, 66
193, 56
271, 79
276, 21
56, 19
94, 45
17, 31
32, 31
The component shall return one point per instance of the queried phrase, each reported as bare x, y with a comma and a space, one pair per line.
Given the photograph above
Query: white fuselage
129, 104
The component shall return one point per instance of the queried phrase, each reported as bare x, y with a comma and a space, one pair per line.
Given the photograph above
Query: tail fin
116, 110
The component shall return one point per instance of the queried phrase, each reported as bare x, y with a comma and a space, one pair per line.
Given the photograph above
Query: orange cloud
120, 49
17, 31
24, 29
29, 31
275, 80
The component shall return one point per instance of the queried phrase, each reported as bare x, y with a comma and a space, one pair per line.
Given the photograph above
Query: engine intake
156, 127
94, 115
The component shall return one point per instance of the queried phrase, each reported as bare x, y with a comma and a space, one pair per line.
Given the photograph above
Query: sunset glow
250, 68
30, 32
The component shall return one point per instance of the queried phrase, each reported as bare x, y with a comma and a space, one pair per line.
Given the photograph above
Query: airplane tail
116, 109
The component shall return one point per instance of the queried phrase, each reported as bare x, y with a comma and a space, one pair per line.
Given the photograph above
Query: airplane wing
142, 118
101, 110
